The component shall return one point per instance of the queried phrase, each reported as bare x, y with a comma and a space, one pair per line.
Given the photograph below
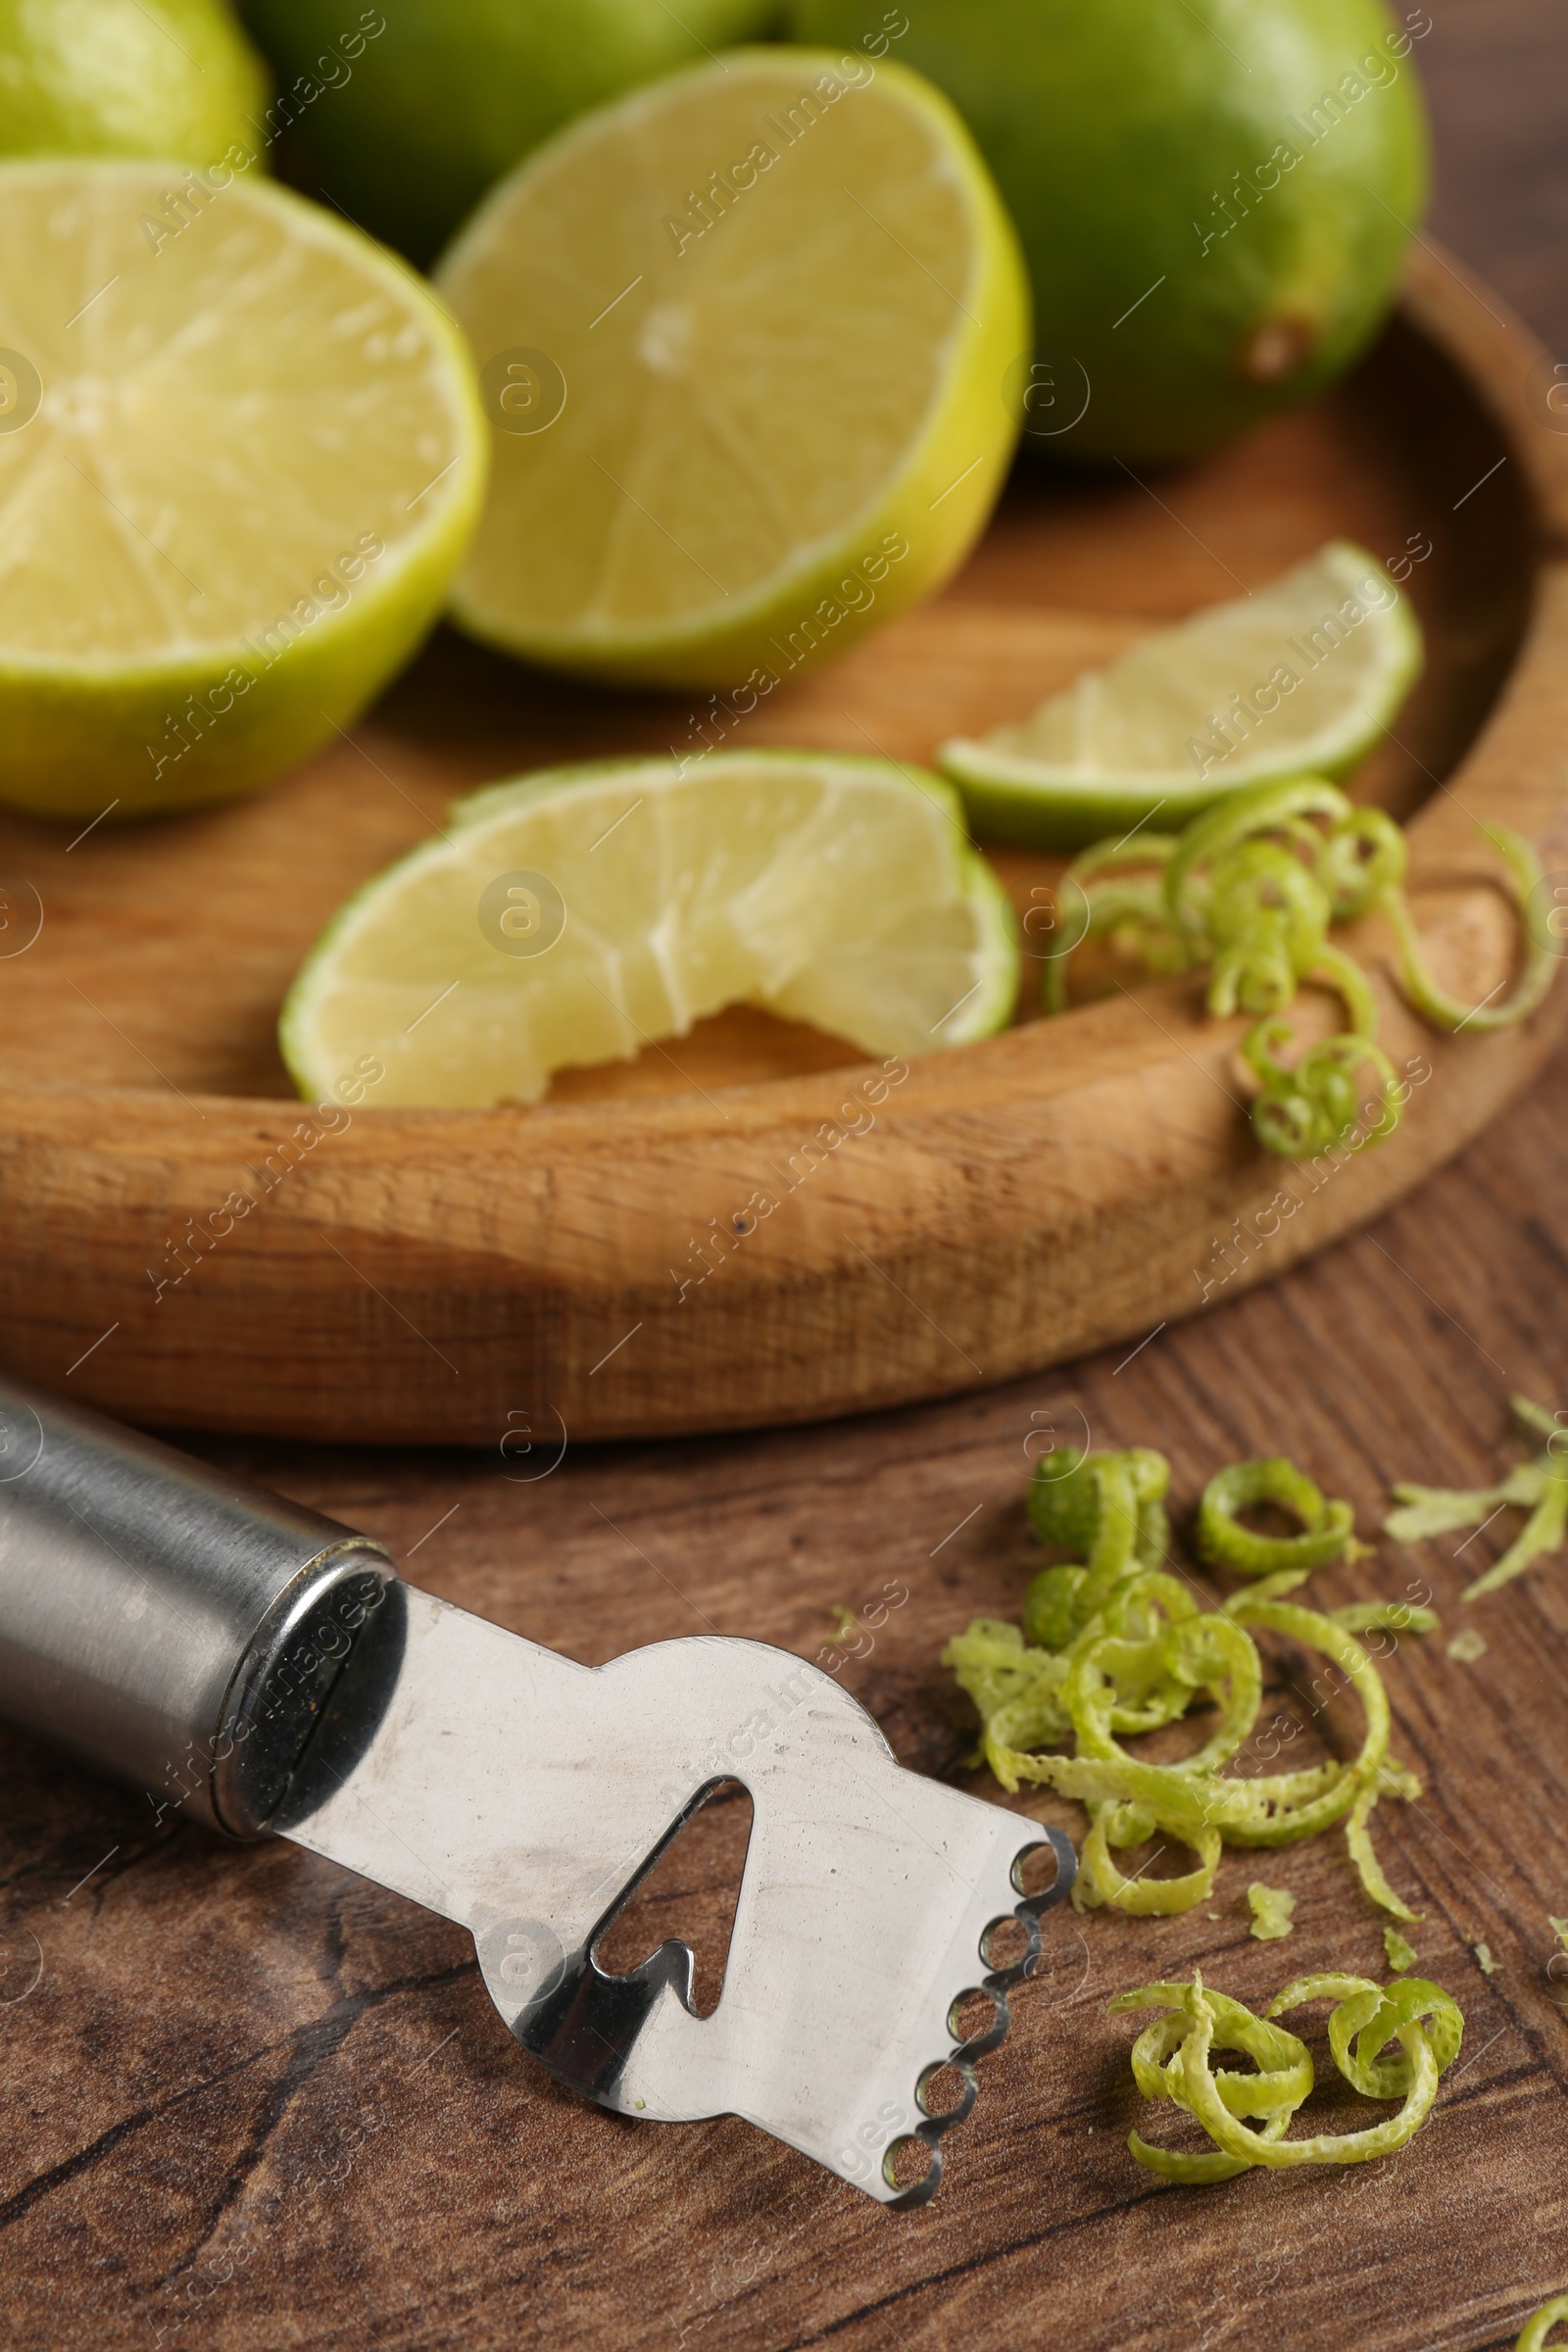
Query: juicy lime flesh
232, 420
833, 890
417, 121
753, 336
1197, 275
1302, 675
941, 977
160, 78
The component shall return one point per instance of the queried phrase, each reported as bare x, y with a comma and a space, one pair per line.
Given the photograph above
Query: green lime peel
1173, 2059
1113, 1644
1250, 891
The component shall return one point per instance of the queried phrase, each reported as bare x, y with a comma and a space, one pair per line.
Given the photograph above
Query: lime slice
574, 917
1300, 678
745, 339
240, 457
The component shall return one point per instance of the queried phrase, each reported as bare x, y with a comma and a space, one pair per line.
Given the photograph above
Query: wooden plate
183, 1244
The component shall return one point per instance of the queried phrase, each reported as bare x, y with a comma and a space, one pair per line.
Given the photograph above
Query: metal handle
165, 1622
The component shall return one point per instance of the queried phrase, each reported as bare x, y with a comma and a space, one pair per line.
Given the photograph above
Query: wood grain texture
256, 2095
242, 2060
179, 1241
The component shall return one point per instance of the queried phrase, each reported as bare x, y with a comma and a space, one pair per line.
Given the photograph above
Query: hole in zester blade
910, 2164
689, 1897
976, 2019
947, 2092
1036, 1871
1007, 1944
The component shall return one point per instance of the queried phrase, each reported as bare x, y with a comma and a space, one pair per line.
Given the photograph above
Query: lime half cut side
1300, 678
240, 457
746, 340
572, 917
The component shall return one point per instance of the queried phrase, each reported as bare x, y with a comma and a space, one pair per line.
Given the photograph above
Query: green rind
75, 736
972, 408
476, 807
1118, 131
1050, 810
451, 93
1000, 956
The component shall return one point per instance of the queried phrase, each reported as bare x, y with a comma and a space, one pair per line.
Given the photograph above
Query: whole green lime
164, 78
439, 97
1213, 196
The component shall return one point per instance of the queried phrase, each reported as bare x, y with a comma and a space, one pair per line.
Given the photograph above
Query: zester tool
263, 1670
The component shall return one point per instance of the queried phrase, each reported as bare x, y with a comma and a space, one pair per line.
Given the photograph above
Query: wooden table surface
251, 2101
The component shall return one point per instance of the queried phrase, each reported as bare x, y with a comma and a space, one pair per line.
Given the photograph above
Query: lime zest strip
1327, 1528
1112, 1644
1433, 1002
1173, 2059
1249, 889
1533, 2336
1284, 2077
1540, 1487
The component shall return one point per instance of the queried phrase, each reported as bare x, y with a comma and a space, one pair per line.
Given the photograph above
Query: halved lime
574, 917
1301, 678
240, 455
745, 339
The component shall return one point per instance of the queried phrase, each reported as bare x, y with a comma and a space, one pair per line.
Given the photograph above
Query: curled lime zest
1222, 1541
1540, 1487
1072, 1498
1401, 1954
1250, 890
1310, 1105
1434, 1004
1134, 909
1114, 1645
1364, 859
1532, 2337
1173, 2059
1283, 2080
1368, 2017
1197, 871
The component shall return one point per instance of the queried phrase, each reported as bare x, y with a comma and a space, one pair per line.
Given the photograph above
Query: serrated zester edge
998, 1983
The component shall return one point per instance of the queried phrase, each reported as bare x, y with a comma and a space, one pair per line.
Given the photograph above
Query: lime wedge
574, 917
1300, 678
746, 340
240, 455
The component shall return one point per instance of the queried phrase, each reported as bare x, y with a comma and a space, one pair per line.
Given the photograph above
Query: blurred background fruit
1213, 199
449, 94
739, 416
164, 78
